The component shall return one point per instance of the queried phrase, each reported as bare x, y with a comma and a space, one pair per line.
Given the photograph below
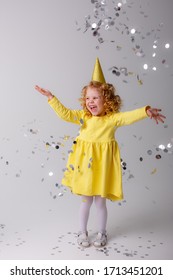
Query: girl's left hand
154, 113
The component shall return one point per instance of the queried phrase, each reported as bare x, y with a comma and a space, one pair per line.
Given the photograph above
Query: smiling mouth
93, 107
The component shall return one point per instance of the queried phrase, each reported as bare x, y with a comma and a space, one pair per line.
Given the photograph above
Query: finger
159, 118
162, 116
38, 88
156, 109
42, 90
156, 120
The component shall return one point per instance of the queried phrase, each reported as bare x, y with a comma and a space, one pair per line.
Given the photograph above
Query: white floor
48, 231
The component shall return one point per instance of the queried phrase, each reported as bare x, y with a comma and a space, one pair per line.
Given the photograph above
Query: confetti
145, 66
65, 169
81, 121
60, 194
169, 145
162, 147
158, 156
66, 137
103, 17
154, 171
123, 164
154, 68
2, 226
167, 45
71, 166
131, 176
132, 31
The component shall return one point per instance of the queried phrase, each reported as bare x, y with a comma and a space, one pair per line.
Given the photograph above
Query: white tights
100, 203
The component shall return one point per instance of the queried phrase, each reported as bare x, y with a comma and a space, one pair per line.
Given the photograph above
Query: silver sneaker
83, 239
100, 240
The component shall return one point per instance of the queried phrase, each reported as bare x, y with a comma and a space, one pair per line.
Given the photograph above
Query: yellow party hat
98, 73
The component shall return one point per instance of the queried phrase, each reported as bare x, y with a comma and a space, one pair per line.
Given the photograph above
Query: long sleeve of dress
64, 113
127, 118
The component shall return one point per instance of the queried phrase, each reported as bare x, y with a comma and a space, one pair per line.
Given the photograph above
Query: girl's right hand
44, 92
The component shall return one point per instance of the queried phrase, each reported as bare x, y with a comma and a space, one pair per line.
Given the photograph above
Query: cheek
101, 104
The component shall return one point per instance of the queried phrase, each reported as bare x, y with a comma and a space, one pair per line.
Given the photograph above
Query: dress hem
110, 197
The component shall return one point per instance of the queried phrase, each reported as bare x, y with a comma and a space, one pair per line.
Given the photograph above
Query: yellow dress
94, 165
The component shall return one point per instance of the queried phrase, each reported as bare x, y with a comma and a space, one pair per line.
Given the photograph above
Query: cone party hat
98, 73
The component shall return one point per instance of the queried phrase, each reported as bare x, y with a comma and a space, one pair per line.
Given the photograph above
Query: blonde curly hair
112, 101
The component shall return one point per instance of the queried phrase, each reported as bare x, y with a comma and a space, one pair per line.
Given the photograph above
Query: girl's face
94, 102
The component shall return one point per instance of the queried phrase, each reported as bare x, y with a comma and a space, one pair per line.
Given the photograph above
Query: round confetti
162, 147
167, 45
158, 156
169, 145
132, 31
145, 66
149, 152
81, 121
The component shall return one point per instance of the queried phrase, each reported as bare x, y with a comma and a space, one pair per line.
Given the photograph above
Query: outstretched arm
130, 117
154, 113
64, 113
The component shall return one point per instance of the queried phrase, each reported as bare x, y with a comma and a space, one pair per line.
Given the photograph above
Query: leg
84, 212
101, 212
83, 217
101, 238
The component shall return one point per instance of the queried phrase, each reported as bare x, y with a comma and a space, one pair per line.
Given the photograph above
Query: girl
94, 167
